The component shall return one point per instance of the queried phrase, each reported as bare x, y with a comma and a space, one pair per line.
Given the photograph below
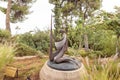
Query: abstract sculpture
61, 47
60, 67
58, 57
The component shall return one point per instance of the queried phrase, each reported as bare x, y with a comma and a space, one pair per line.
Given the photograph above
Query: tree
8, 15
88, 6
112, 22
16, 11
57, 16
115, 26
81, 9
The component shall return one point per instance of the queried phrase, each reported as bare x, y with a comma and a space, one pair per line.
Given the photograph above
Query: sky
40, 18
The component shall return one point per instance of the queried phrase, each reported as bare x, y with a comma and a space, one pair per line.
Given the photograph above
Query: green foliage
4, 35
71, 51
24, 50
20, 12
72, 38
6, 54
66, 10
90, 53
57, 12
95, 54
102, 40
19, 9
82, 52
26, 38
39, 40
75, 36
114, 25
3, 9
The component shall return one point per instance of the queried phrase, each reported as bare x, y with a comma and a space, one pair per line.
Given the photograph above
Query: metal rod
51, 36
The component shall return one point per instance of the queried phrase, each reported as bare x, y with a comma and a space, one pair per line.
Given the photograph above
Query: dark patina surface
57, 60
66, 65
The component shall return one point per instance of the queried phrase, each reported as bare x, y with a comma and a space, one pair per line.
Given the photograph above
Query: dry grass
97, 69
102, 69
28, 67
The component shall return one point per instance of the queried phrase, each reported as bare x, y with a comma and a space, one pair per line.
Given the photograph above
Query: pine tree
16, 11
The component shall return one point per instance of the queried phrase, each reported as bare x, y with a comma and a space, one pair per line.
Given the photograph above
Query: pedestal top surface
65, 66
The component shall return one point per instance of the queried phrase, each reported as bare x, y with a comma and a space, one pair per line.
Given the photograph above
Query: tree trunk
80, 46
86, 42
117, 48
8, 16
85, 34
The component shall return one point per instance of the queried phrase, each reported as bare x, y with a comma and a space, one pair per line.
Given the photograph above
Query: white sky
41, 15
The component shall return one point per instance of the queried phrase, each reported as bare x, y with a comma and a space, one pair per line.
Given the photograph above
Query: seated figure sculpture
57, 58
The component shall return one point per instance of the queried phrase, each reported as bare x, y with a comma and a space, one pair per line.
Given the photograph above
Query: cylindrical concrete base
47, 73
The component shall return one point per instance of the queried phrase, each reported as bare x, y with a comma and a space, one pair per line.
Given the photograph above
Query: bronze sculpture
58, 57
66, 67
61, 47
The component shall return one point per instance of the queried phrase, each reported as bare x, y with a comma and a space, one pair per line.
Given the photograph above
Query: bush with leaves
24, 50
89, 53
100, 40
39, 40
75, 37
26, 38
71, 51
4, 35
104, 41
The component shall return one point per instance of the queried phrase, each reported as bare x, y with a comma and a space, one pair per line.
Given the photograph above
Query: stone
48, 73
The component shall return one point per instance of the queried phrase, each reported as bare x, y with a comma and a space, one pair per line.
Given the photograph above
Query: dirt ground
28, 67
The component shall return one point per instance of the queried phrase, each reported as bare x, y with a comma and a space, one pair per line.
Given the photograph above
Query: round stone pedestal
48, 73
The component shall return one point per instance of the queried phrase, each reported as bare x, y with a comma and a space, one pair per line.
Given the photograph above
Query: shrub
89, 53
4, 35
82, 52
95, 54
24, 50
39, 40
71, 52
26, 38
76, 52
6, 54
104, 41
